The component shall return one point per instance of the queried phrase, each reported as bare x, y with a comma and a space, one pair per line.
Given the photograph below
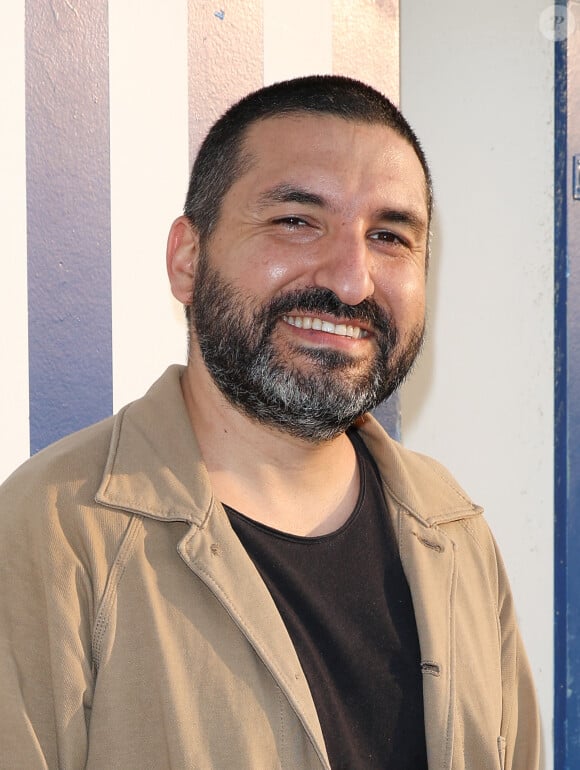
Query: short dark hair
220, 160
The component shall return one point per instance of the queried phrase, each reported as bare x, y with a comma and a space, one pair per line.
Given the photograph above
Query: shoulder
73, 465
50, 525
70, 471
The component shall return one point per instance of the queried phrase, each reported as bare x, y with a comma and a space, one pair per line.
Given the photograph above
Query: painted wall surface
478, 88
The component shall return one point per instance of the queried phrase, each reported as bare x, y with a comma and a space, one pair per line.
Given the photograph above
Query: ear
182, 256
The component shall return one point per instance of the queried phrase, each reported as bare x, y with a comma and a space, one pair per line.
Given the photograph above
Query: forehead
313, 148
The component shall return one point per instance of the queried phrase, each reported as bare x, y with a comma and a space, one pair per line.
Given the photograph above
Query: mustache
313, 299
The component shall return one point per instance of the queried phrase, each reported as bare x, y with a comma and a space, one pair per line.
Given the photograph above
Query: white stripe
149, 172
297, 39
225, 60
14, 409
365, 43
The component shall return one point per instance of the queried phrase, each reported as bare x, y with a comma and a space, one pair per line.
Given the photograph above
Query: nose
344, 267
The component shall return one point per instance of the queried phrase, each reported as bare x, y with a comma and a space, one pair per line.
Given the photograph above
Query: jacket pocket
501, 752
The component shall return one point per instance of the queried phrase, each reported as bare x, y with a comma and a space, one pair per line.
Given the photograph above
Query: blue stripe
560, 408
567, 410
68, 208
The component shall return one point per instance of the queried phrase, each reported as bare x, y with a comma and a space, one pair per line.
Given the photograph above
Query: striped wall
105, 105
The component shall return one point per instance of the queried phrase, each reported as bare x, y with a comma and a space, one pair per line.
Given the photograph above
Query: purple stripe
359, 31
68, 206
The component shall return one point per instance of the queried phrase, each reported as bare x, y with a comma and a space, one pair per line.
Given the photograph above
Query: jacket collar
154, 466
419, 484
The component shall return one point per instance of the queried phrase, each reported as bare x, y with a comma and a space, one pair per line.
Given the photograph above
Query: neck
293, 485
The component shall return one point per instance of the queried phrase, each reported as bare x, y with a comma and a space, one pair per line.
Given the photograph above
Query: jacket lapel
216, 556
429, 563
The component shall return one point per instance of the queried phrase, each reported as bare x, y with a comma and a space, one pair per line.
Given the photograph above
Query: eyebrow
415, 221
287, 193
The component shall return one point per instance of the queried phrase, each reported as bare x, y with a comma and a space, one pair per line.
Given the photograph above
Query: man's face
308, 303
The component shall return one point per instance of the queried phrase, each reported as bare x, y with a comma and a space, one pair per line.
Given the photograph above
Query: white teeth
341, 330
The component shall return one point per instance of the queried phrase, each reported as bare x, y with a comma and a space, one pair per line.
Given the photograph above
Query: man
241, 569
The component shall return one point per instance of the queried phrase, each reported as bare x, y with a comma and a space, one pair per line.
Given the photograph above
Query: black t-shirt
346, 604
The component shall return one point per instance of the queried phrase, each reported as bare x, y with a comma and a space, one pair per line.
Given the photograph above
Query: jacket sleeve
520, 722
45, 610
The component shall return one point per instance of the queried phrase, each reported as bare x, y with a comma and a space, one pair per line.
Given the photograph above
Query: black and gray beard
315, 401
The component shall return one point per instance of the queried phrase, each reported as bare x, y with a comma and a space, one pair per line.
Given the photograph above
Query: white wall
477, 85
13, 307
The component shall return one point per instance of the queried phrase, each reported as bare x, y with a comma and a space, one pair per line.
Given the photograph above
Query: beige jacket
135, 631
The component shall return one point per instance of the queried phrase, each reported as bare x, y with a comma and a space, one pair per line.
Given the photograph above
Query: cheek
276, 273
405, 296
272, 269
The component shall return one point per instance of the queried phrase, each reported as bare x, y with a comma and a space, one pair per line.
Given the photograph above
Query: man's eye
386, 236
292, 223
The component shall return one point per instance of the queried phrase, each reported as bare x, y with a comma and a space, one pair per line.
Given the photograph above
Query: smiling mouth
317, 324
